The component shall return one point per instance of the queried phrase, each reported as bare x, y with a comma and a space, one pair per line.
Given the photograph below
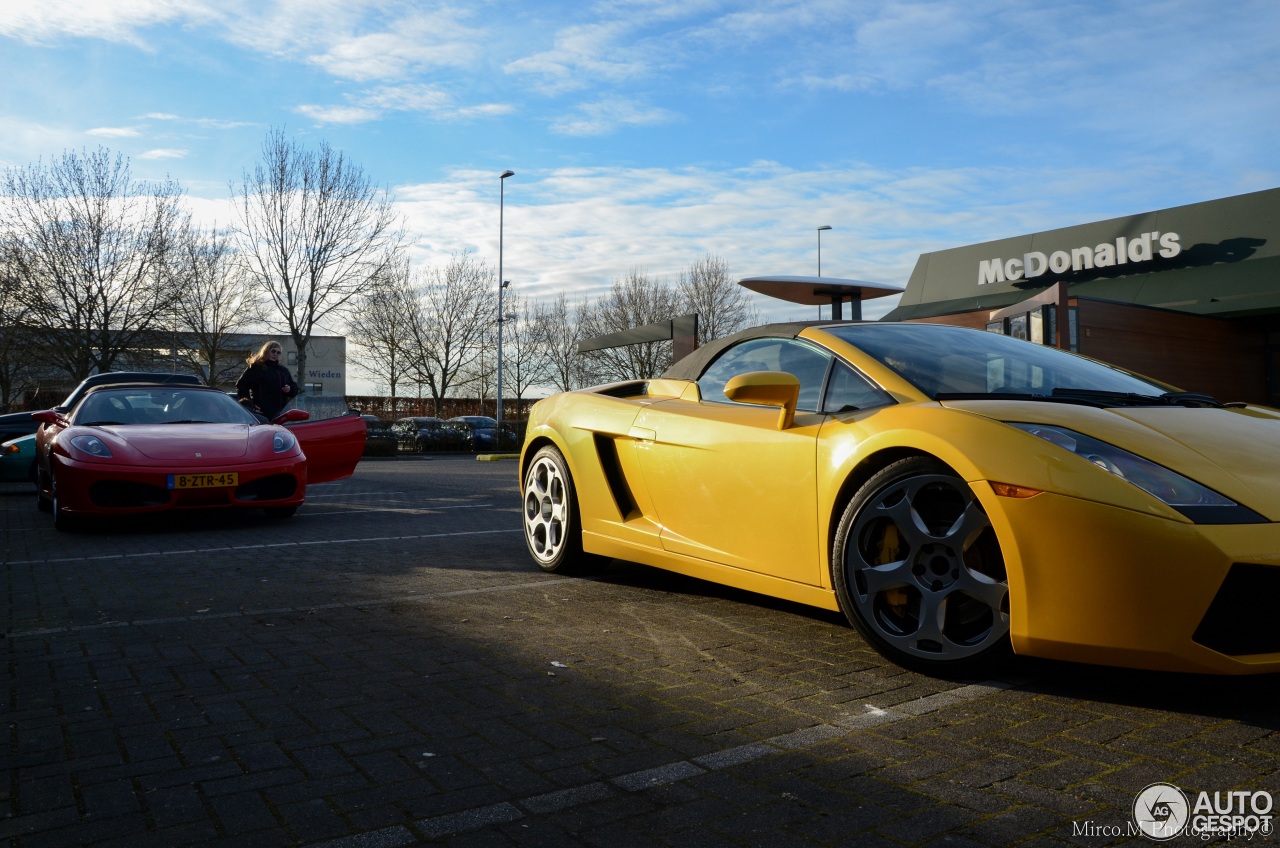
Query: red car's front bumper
91, 488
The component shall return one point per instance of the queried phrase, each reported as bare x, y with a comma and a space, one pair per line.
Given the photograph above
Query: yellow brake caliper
890, 550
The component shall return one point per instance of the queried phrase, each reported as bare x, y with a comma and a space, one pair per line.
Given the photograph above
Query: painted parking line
416, 597
273, 545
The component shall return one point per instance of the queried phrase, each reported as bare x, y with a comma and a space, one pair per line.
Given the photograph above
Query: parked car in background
18, 459
480, 430
16, 424
379, 439
425, 434
142, 448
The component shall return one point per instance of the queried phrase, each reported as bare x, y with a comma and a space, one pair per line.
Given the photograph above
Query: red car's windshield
159, 405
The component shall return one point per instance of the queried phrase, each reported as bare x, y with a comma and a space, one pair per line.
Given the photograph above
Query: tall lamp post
501, 320
820, 229
502, 284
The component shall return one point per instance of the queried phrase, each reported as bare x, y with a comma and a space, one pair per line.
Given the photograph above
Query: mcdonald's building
1188, 295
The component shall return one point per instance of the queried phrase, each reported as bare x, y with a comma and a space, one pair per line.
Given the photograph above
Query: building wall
1226, 359
326, 364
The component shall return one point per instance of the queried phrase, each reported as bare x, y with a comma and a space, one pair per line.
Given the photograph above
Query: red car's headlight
1199, 503
91, 445
283, 442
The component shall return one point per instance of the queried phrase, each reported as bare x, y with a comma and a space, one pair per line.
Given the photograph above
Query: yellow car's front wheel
552, 524
918, 570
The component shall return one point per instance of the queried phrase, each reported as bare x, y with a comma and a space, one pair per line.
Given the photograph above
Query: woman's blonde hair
261, 355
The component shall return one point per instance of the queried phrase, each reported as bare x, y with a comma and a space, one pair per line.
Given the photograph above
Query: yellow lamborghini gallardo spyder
957, 494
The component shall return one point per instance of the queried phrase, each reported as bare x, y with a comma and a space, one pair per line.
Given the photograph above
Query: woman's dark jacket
268, 385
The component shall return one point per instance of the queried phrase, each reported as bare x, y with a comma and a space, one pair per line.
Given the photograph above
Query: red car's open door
333, 446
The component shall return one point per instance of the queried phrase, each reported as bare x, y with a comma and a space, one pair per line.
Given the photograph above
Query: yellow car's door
733, 483
730, 487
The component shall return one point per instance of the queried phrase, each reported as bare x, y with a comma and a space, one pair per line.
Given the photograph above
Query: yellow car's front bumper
1100, 584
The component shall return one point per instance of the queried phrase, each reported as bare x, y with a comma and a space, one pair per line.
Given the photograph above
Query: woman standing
266, 386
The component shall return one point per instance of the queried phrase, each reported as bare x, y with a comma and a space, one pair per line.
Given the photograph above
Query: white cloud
406, 45
114, 132
373, 104
605, 116
48, 21
164, 153
586, 55
577, 229
338, 114
411, 98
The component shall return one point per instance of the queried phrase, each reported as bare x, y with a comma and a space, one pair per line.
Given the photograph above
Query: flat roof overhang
820, 291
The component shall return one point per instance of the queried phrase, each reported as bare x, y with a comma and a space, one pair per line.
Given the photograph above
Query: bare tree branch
217, 303
723, 307
382, 325
88, 246
556, 326
457, 312
314, 231
635, 301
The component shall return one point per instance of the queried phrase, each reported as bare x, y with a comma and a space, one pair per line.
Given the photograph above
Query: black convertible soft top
692, 366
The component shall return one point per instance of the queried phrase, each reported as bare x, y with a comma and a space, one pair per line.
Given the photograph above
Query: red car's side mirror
292, 415
46, 416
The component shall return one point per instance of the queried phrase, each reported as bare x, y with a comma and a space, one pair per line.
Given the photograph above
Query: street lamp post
502, 284
820, 229
501, 316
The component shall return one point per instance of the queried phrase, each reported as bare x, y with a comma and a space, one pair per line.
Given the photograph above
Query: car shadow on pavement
1248, 698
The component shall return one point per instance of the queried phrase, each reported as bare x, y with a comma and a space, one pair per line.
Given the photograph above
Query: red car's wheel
62, 520
42, 503
918, 570
552, 523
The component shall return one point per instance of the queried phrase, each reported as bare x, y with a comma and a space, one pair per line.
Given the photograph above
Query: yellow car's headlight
1197, 502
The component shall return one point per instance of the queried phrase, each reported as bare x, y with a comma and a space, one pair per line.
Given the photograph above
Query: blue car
18, 460
481, 431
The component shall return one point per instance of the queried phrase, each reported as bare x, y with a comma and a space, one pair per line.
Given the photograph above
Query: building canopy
1218, 258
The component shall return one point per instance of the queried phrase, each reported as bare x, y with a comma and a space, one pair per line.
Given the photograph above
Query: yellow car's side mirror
767, 388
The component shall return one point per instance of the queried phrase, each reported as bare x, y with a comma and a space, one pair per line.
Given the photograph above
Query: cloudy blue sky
645, 133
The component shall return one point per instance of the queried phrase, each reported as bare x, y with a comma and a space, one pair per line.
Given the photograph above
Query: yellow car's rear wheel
918, 570
552, 523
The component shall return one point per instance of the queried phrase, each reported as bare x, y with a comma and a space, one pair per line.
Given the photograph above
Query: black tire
42, 503
552, 522
62, 520
933, 598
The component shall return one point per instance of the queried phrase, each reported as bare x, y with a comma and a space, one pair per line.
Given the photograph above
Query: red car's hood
186, 441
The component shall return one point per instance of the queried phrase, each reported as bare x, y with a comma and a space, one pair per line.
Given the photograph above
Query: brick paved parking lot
388, 668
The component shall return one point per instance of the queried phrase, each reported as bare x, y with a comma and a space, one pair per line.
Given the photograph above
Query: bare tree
635, 301
480, 376
525, 361
722, 306
556, 327
314, 230
457, 313
17, 364
217, 303
88, 247
382, 323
